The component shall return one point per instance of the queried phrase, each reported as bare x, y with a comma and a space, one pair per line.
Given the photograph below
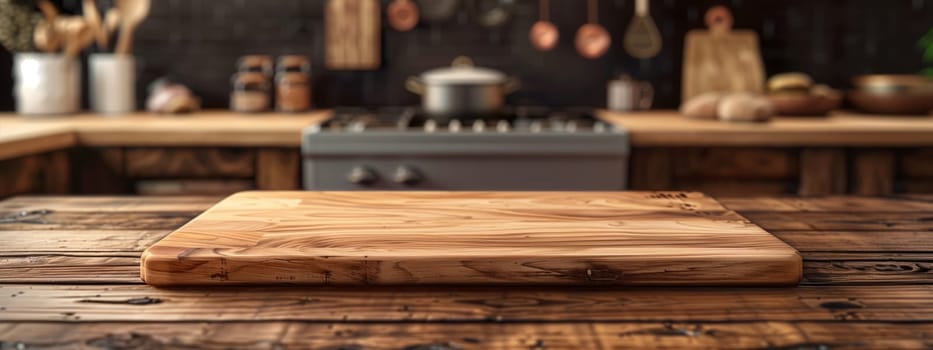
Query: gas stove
523, 148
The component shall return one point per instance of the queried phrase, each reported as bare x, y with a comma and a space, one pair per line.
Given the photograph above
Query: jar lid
243, 78
254, 63
293, 63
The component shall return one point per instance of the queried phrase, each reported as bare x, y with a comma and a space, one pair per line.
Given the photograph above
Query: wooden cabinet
722, 171
739, 171
39, 173
185, 170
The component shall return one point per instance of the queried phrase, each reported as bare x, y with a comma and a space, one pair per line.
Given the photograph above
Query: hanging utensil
495, 13
438, 10
544, 34
642, 38
592, 39
132, 13
92, 17
402, 15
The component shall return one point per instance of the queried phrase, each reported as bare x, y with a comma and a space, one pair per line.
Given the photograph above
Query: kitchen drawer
735, 163
189, 162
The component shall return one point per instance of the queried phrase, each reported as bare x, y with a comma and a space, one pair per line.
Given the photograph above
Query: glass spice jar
251, 92
293, 83
293, 92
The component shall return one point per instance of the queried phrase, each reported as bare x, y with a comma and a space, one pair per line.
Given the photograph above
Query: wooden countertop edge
36, 142
659, 128
646, 129
21, 136
118, 138
782, 139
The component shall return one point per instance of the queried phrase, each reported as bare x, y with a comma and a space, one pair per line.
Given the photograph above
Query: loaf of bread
703, 106
745, 107
790, 83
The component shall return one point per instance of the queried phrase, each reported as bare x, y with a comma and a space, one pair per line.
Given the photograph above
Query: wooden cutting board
352, 31
721, 59
576, 238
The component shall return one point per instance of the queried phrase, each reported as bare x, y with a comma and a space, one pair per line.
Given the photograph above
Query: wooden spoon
544, 34
111, 20
45, 37
592, 39
132, 13
48, 37
642, 38
48, 10
92, 16
402, 15
78, 35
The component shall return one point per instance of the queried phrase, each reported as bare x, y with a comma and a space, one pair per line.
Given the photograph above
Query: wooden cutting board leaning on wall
395, 238
352, 34
721, 59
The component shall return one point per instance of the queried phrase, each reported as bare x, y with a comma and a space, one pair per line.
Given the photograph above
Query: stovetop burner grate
525, 119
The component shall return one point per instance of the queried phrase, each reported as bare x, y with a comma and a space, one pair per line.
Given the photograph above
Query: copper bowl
892, 103
893, 83
805, 104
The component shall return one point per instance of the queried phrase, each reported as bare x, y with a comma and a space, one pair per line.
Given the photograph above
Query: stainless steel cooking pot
462, 90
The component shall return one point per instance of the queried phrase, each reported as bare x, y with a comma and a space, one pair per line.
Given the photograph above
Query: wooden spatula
132, 13
46, 36
92, 16
78, 35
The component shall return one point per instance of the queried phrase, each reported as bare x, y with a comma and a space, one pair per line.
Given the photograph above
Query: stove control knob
362, 175
406, 175
599, 127
454, 125
479, 126
503, 126
571, 126
430, 125
536, 126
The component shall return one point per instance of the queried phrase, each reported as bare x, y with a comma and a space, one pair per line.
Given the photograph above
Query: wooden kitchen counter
71, 279
840, 129
19, 135
19, 139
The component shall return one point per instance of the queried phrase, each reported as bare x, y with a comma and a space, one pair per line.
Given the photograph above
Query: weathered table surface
71, 279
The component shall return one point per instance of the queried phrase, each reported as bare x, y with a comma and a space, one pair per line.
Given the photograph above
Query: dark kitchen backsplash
196, 42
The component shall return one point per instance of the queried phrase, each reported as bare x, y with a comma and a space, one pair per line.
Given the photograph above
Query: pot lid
462, 71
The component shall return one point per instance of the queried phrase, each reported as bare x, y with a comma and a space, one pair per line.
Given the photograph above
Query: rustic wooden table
70, 279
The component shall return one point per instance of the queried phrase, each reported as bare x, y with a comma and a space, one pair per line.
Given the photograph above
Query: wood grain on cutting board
577, 238
721, 59
352, 34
